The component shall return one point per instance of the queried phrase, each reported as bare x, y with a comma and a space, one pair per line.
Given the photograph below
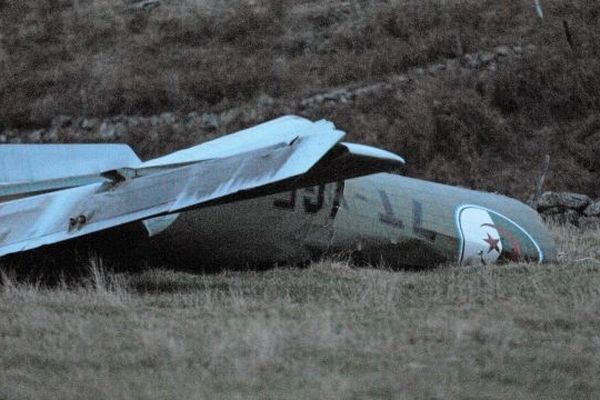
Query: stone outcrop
593, 210
563, 200
573, 208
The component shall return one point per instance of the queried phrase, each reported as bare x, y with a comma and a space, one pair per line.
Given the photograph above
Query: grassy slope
484, 130
328, 331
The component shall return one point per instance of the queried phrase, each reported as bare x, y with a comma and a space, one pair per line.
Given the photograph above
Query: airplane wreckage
283, 191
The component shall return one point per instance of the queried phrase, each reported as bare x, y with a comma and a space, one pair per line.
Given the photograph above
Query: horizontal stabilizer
65, 214
29, 168
282, 129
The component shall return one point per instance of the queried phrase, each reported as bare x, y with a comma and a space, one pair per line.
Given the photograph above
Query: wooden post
538, 9
540, 183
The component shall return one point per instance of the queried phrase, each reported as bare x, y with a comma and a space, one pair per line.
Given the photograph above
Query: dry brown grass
328, 331
483, 130
101, 58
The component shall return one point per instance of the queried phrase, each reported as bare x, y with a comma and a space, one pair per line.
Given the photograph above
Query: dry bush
100, 58
446, 133
560, 91
549, 86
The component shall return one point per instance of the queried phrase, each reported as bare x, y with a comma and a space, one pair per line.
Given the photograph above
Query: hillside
470, 92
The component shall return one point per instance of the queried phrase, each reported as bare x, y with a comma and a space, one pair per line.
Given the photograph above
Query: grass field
330, 330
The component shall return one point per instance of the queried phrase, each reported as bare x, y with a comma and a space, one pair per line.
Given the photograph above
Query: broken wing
138, 194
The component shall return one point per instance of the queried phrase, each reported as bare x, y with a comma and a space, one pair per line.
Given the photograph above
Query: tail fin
26, 169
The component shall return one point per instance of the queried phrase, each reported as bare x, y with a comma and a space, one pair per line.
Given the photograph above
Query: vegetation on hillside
484, 130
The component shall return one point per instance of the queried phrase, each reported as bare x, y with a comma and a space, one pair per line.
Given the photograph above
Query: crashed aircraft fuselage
286, 190
382, 218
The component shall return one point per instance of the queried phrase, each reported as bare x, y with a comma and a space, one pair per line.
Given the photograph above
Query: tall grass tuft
105, 283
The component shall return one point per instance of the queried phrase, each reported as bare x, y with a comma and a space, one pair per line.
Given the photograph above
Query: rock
209, 121
574, 201
398, 79
110, 131
487, 57
121, 129
89, 123
35, 136
334, 96
518, 49
264, 100
502, 51
134, 121
593, 210
106, 131
178, 127
472, 61
435, 68
61, 121
3, 139
51, 136
193, 116
452, 64
419, 71
118, 118
192, 119
563, 200
168, 118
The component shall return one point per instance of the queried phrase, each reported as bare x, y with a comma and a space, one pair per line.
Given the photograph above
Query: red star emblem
493, 243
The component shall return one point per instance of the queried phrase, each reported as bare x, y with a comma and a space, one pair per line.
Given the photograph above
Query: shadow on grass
70, 265
145, 286
155, 269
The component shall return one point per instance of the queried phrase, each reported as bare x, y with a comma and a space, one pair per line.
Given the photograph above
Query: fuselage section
383, 218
